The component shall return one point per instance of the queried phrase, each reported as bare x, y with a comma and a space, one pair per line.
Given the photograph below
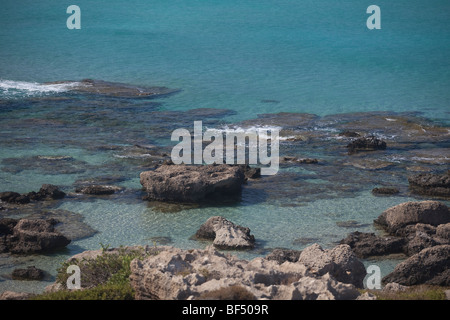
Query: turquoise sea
229, 61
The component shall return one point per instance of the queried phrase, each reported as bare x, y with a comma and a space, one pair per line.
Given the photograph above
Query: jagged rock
11, 295
27, 236
394, 287
184, 183
368, 244
431, 184
283, 255
225, 234
50, 192
14, 197
190, 274
429, 212
47, 192
369, 143
340, 262
30, 273
429, 266
443, 231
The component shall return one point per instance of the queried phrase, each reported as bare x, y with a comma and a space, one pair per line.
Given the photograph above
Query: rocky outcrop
368, 244
282, 255
27, 236
225, 234
340, 262
431, 184
428, 212
47, 192
429, 266
185, 183
369, 143
175, 274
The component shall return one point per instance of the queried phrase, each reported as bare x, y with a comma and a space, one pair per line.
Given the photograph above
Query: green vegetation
105, 277
420, 292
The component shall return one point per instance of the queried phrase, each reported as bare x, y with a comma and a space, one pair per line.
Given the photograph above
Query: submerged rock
369, 143
115, 89
183, 183
98, 189
225, 234
27, 236
385, 191
30, 273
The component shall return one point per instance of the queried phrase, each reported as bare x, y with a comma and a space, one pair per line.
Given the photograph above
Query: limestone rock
184, 183
399, 216
225, 234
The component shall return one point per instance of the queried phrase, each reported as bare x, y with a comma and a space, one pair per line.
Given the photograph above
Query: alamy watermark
74, 20
373, 280
238, 146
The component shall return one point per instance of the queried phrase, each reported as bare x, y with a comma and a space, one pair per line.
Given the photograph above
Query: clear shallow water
274, 56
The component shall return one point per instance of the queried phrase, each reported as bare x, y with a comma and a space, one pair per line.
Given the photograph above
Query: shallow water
233, 65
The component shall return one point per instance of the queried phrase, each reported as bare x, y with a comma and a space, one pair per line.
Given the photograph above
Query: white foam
11, 87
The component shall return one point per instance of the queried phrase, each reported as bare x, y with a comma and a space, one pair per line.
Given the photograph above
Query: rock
394, 287
431, 184
174, 274
369, 143
421, 236
323, 288
340, 262
47, 192
98, 189
50, 192
225, 234
368, 244
419, 242
27, 236
283, 255
11, 295
429, 266
399, 216
250, 172
30, 273
367, 296
185, 183
13, 197
349, 134
443, 231
385, 191
114, 89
